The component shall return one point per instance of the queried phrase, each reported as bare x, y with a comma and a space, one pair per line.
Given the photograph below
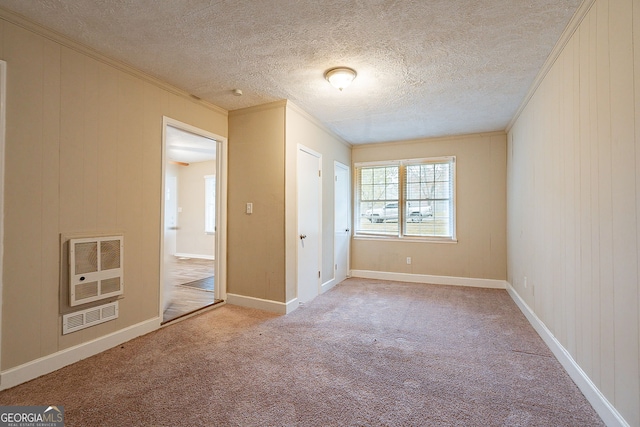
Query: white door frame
220, 288
3, 112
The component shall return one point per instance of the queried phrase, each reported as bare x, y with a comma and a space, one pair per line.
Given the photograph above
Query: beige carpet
366, 353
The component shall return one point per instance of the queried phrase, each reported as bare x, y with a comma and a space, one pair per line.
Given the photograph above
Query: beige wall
263, 145
256, 251
574, 205
191, 238
304, 130
480, 212
83, 155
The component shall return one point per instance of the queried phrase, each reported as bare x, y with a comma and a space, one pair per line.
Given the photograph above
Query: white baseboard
262, 304
292, 305
602, 406
427, 278
328, 285
47, 364
197, 256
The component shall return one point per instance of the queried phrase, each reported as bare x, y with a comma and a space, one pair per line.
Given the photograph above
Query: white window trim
400, 237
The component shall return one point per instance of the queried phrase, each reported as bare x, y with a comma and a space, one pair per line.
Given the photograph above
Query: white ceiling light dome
340, 77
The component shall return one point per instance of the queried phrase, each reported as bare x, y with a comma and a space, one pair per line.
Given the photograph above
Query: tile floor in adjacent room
186, 299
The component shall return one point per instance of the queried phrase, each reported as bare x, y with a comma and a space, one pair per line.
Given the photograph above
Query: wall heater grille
95, 269
92, 316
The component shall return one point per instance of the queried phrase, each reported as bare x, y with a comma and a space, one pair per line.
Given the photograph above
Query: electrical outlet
408, 260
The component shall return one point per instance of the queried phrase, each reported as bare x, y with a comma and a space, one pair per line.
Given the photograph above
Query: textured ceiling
425, 67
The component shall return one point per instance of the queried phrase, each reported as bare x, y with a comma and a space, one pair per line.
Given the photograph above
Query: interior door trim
220, 289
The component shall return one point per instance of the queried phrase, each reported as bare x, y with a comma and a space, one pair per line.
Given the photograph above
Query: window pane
428, 200
414, 190
379, 217
367, 192
427, 172
379, 183
379, 192
442, 215
441, 190
392, 175
379, 175
441, 171
417, 211
392, 192
378, 204
366, 176
413, 173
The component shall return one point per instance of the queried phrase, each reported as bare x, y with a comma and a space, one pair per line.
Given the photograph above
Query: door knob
347, 230
303, 236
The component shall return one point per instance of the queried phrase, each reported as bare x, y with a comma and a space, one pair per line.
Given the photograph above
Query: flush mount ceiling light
340, 77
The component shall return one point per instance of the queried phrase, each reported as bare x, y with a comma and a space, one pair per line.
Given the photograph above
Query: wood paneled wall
83, 155
574, 201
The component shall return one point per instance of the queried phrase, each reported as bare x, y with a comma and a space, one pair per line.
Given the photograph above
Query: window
210, 204
409, 198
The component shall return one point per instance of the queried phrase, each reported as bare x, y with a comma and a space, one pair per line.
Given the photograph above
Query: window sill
408, 239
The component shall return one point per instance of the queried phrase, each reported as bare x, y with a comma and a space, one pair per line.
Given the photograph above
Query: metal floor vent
92, 316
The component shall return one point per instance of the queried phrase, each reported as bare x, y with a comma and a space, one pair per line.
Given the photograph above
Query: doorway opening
192, 198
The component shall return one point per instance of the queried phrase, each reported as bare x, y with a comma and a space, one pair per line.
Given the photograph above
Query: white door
342, 221
309, 205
